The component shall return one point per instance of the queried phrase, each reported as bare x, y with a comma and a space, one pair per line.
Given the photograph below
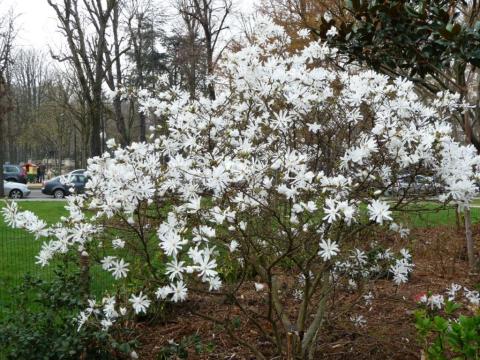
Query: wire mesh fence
18, 251
17, 258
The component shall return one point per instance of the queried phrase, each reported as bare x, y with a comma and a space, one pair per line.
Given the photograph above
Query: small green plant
40, 323
186, 346
448, 336
236, 322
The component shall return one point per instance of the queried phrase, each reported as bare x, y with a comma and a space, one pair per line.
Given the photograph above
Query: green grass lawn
18, 250
431, 215
475, 202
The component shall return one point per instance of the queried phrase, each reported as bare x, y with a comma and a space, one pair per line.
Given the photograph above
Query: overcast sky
37, 23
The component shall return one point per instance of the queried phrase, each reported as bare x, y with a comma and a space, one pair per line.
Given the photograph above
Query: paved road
37, 195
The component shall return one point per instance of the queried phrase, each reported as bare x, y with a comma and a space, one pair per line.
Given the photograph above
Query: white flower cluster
453, 293
290, 144
362, 266
358, 320
402, 267
106, 313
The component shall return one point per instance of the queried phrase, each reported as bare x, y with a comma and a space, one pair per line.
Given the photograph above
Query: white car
15, 190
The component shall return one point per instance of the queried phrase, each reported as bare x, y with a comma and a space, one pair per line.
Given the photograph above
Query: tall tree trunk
461, 68
2, 156
4, 109
96, 126
210, 86
75, 153
9, 141
120, 121
143, 126
468, 235
117, 101
84, 152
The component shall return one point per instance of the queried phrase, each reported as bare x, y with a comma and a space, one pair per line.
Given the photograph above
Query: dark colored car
59, 189
14, 173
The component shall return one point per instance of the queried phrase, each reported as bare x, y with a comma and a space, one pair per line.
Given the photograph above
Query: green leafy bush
448, 336
40, 323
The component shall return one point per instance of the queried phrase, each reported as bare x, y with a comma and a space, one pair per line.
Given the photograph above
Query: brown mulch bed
389, 333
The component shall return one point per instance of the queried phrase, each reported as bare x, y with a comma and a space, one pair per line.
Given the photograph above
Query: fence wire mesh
17, 258
18, 251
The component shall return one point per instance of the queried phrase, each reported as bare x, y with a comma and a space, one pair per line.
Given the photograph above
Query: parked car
59, 189
14, 173
15, 190
418, 184
78, 171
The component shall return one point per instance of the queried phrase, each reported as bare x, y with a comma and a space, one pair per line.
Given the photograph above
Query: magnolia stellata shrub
286, 168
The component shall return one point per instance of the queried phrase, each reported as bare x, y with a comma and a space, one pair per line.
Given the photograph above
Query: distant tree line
65, 103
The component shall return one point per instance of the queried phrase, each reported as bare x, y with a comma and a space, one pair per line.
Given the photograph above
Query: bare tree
211, 16
7, 37
193, 52
115, 76
67, 95
29, 78
143, 26
87, 53
48, 111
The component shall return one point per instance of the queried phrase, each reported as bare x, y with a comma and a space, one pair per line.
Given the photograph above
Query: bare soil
389, 332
